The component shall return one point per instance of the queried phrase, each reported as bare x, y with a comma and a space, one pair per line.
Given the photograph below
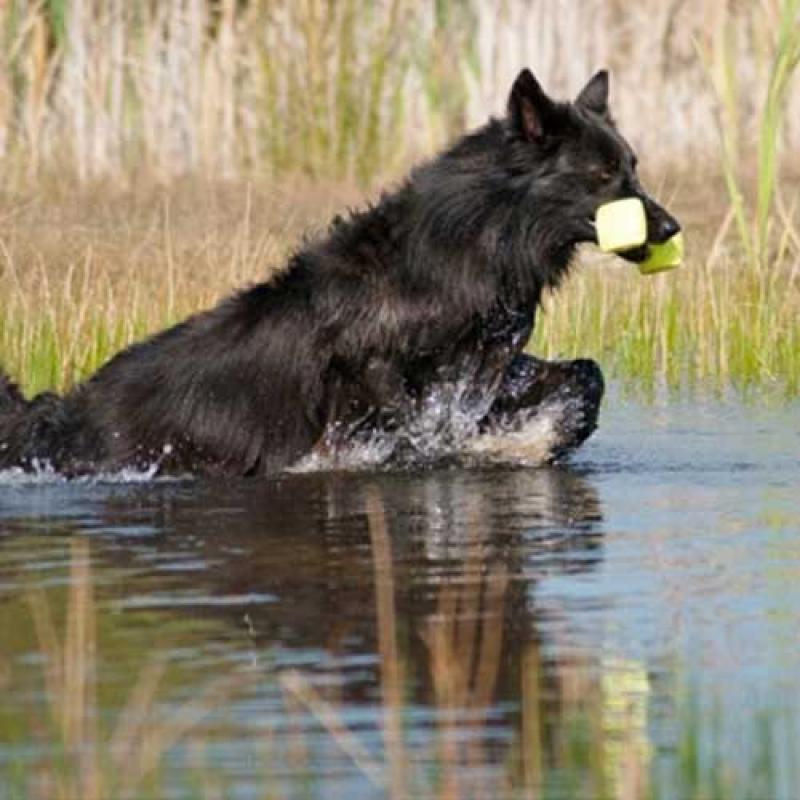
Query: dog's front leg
569, 391
497, 343
366, 398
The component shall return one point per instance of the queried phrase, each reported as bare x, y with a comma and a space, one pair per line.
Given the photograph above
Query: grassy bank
84, 273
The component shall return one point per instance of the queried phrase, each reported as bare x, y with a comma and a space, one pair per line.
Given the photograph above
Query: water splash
448, 429
42, 473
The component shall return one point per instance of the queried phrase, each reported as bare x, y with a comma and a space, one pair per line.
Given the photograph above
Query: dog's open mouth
636, 254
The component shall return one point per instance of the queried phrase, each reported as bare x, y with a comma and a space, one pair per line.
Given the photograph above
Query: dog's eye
605, 173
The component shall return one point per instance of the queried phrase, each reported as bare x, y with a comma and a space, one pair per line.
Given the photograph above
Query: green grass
82, 274
712, 325
729, 317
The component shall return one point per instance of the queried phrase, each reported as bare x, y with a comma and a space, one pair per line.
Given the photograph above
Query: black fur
436, 285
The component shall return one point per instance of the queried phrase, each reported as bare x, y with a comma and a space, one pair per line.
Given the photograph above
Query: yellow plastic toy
622, 225
663, 256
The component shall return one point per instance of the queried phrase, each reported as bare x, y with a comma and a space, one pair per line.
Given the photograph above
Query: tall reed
348, 88
731, 316
754, 221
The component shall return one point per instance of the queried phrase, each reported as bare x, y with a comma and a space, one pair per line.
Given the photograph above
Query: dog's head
576, 160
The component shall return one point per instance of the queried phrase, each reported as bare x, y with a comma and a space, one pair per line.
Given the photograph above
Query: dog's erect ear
529, 108
594, 96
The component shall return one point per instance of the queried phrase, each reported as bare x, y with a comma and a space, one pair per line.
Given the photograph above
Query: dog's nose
667, 228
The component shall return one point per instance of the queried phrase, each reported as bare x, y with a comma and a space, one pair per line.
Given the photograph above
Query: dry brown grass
84, 272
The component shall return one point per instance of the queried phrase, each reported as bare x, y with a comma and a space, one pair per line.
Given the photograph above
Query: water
624, 624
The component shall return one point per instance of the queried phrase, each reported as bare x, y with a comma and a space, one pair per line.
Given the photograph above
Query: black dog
424, 301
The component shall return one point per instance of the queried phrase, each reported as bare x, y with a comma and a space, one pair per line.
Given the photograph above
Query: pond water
624, 625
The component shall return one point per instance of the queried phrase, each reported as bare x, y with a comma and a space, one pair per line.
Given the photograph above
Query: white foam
447, 428
43, 474
529, 445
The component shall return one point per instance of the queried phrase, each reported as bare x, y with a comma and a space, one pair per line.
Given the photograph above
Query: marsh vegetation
156, 156
623, 628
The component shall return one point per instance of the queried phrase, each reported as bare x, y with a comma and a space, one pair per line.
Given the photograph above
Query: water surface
624, 623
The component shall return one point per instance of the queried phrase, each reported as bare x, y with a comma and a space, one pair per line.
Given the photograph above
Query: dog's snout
661, 225
667, 228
